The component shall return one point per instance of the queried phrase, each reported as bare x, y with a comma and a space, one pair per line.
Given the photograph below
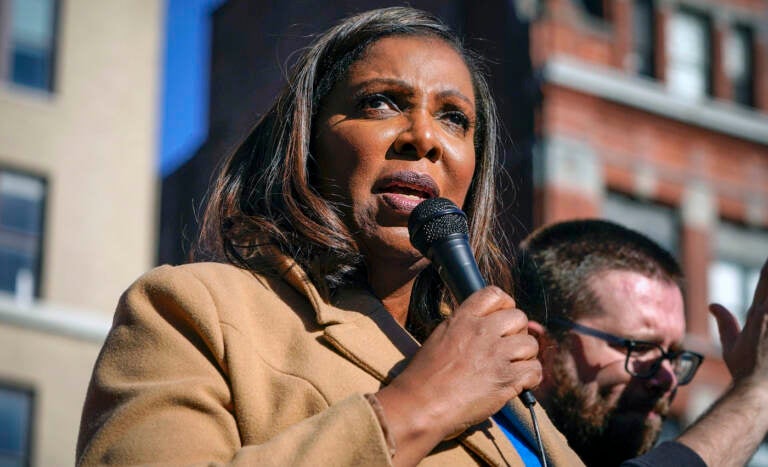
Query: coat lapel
359, 326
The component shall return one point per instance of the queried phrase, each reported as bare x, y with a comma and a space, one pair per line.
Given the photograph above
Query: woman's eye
377, 102
457, 118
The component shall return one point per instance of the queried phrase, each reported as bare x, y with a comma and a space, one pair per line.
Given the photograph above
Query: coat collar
358, 326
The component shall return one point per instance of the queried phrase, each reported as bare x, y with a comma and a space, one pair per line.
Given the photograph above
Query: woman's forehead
414, 58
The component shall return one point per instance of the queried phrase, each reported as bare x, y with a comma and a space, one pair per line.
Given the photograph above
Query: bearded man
606, 305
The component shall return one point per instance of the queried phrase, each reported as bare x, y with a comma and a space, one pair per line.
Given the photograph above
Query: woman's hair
264, 195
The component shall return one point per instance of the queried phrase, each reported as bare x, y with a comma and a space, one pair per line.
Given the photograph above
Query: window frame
646, 206
706, 21
39, 262
6, 49
28, 389
749, 34
650, 52
603, 12
743, 247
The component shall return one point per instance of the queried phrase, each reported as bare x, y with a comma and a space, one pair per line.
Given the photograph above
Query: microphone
439, 230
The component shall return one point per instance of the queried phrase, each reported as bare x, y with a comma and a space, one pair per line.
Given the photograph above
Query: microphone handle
457, 267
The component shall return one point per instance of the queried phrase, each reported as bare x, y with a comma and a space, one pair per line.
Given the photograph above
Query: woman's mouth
403, 191
402, 202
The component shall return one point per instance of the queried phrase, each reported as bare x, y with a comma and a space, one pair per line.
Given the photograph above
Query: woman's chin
390, 245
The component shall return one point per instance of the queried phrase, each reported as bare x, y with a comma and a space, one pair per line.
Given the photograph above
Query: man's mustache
660, 405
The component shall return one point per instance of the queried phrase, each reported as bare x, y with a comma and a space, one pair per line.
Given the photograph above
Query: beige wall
95, 139
57, 368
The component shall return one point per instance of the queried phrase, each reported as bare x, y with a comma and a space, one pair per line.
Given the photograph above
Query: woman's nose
420, 139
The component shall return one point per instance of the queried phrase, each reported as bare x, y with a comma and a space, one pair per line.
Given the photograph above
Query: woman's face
397, 130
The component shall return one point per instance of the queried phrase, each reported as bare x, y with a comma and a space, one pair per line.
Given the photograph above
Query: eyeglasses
643, 358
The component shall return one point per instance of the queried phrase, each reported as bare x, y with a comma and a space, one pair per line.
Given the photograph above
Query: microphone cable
530, 402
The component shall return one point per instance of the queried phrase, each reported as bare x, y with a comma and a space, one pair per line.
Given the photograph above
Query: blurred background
114, 114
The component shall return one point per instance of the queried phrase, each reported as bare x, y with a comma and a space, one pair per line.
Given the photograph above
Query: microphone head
433, 220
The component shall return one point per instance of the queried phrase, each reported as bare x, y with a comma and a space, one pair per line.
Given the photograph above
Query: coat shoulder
206, 273
230, 293
215, 279
197, 288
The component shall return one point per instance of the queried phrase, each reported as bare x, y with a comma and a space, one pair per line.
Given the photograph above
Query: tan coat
206, 363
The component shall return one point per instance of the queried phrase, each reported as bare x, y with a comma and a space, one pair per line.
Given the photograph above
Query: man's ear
545, 340
548, 349
536, 329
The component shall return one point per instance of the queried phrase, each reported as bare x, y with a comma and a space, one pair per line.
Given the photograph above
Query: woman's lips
403, 191
401, 202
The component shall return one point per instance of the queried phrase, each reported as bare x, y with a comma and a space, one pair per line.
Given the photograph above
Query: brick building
655, 114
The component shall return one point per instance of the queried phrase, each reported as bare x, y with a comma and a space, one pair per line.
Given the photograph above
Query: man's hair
556, 262
266, 193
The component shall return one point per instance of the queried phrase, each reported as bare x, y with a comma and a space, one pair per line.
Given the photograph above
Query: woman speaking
316, 334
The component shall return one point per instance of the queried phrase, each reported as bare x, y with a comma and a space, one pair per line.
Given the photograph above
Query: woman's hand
471, 365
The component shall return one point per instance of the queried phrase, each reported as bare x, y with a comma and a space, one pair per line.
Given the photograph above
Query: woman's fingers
518, 348
527, 375
506, 322
486, 301
475, 361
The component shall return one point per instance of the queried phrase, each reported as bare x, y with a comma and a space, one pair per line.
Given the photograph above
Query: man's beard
600, 428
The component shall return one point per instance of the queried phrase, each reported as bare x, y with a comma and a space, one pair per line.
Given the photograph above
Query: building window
731, 284
739, 64
16, 412
733, 274
689, 63
28, 32
658, 222
22, 204
643, 36
595, 8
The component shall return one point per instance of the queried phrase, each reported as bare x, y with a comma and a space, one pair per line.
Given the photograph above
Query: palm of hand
745, 351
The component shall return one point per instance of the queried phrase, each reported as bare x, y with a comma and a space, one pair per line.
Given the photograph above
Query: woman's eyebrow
458, 94
390, 82
405, 86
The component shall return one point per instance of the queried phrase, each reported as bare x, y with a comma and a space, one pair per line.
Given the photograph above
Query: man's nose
664, 379
420, 139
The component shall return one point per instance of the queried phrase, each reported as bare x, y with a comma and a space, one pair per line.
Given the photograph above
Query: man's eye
620, 347
642, 349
